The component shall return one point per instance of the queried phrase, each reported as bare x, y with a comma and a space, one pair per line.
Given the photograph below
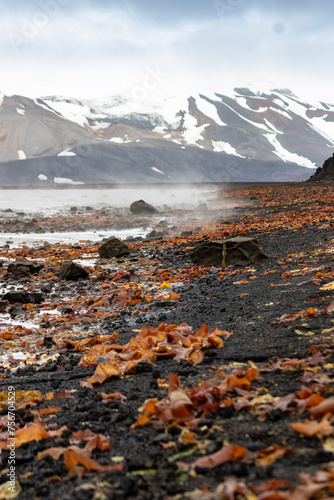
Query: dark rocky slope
326, 172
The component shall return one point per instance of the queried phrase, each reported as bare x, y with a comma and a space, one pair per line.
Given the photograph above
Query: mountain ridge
211, 137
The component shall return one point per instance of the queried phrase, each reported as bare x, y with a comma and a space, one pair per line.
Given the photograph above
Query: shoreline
167, 185
275, 366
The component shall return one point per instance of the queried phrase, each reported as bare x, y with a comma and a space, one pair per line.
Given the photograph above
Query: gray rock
24, 267
113, 247
20, 297
3, 306
72, 272
155, 235
238, 251
141, 207
36, 297
23, 297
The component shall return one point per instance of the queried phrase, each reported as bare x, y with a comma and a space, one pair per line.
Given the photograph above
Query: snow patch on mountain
272, 127
110, 106
21, 111
120, 140
164, 110
242, 101
283, 113
193, 133
255, 124
225, 147
99, 125
67, 152
208, 109
64, 180
291, 105
169, 109
157, 170
325, 128
41, 103
42, 177
21, 155
286, 155
75, 111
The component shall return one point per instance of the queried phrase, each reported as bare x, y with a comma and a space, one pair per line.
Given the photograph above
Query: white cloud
93, 51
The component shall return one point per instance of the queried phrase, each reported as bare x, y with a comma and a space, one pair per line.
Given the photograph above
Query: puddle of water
15, 240
6, 320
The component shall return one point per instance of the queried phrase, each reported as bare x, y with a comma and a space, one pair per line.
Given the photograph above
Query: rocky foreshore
140, 374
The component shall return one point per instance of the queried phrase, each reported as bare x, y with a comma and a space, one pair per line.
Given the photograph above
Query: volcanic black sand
280, 313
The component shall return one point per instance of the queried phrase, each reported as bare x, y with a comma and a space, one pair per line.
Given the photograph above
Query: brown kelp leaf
142, 420
54, 452
48, 411
307, 491
225, 454
326, 406
272, 485
65, 393
177, 341
113, 395
269, 455
73, 456
58, 432
96, 440
309, 428
103, 372
33, 431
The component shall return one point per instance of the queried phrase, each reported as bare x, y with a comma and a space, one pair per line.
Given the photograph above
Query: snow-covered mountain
241, 135
31, 129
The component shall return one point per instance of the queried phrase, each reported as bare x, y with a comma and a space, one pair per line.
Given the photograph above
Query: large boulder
113, 247
238, 251
24, 267
23, 297
71, 271
141, 207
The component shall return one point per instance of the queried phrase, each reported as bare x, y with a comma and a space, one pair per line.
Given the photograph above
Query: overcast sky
94, 48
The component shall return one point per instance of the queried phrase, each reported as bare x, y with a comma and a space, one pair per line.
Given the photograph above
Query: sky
154, 48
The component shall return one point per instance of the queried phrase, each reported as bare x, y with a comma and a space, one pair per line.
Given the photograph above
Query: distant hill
244, 135
326, 172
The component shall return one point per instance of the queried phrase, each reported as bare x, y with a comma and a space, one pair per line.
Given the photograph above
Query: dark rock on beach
113, 247
3, 306
72, 272
25, 268
155, 235
238, 251
23, 297
141, 207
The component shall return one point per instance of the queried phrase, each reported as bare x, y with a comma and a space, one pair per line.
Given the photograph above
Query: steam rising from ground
51, 201
37, 215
